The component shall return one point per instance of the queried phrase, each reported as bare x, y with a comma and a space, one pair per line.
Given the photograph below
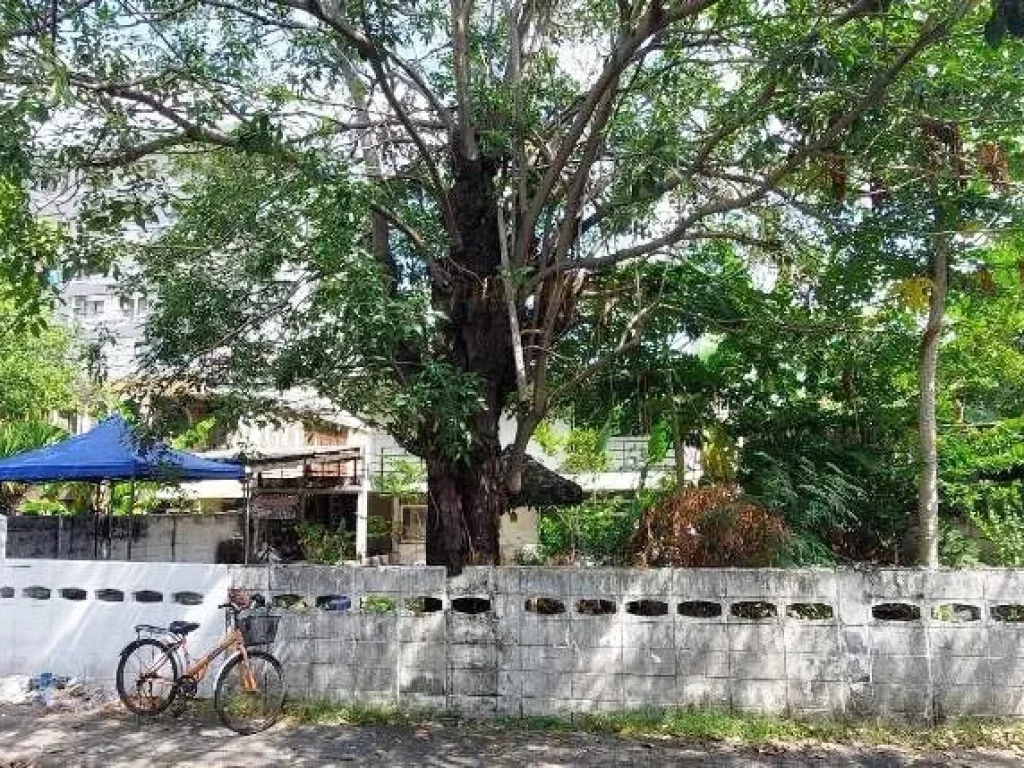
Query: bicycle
249, 690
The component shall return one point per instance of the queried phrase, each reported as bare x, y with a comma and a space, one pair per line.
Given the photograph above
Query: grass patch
330, 713
698, 725
719, 725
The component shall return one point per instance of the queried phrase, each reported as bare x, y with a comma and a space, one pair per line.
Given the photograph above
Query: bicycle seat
182, 627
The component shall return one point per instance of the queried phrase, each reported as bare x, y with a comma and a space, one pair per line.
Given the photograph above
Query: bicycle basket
259, 628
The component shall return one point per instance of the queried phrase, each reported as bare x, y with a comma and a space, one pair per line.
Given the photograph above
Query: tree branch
414, 236
460, 14
256, 16
569, 229
432, 170
622, 54
370, 50
135, 153
48, 19
350, 34
932, 33
191, 129
629, 339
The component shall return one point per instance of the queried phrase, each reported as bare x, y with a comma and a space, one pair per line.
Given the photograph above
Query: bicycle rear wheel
250, 697
146, 676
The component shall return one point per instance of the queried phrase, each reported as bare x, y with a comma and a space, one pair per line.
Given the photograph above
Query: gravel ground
35, 738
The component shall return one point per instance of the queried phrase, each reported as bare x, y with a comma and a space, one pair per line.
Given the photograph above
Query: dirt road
41, 739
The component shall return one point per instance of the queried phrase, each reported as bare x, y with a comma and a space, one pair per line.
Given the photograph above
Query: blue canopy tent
111, 451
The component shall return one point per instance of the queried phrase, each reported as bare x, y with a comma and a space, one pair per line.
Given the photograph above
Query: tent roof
111, 451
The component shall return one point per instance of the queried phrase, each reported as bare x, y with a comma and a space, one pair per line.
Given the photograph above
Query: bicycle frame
198, 669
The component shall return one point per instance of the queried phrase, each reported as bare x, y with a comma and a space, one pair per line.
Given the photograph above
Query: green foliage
548, 439
44, 506
198, 436
28, 245
816, 500
997, 511
377, 604
403, 480
586, 451
140, 498
719, 455
582, 449
18, 436
596, 532
973, 463
324, 546
60, 499
842, 502
37, 372
957, 549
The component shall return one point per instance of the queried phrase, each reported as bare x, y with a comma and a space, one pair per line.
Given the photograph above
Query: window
78, 306
134, 306
414, 522
94, 307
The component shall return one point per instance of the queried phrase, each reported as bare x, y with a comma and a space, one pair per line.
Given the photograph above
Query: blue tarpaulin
111, 451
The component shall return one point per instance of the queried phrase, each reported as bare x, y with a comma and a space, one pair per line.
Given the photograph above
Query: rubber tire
125, 653
222, 676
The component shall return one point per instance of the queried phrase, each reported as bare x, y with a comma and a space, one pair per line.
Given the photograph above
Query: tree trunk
928, 479
467, 494
465, 502
679, 452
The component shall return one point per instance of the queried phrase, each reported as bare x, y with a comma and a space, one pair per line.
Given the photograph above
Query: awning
112, 451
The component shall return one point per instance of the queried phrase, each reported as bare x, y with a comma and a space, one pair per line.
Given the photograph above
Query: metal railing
626, 454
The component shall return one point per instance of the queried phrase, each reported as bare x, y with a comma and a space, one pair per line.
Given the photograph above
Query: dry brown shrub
709, 526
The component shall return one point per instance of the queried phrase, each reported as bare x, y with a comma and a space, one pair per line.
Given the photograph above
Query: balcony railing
625, 454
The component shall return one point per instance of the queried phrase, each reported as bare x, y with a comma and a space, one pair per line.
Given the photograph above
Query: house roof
542, 487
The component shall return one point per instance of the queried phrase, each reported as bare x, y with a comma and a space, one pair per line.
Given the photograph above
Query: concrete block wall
143, 538
899, 643
905, 644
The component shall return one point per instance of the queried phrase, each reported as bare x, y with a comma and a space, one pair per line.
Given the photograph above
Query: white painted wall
83, 638
518, 534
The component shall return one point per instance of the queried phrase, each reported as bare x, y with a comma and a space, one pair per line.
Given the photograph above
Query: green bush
596, 532
957, 549
997, 511
324, 546
993, 507
841, 502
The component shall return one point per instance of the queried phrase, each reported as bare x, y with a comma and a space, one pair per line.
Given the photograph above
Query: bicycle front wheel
146, 676
250, 694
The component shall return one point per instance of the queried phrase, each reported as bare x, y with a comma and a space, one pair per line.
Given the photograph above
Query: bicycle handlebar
257, 601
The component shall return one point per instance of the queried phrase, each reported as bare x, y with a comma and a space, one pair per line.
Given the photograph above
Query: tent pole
248, 514
131, 514
111, 486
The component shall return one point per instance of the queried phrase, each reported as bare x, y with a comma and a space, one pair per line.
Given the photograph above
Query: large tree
402, 205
